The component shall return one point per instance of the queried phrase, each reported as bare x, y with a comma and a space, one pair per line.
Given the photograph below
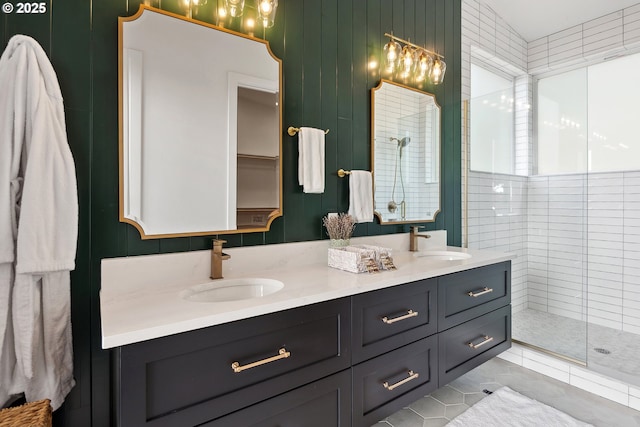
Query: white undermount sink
443, 255
231, 290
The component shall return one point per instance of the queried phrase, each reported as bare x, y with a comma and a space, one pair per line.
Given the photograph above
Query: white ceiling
533, 19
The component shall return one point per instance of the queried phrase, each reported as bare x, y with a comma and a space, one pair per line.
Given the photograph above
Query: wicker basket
32, 414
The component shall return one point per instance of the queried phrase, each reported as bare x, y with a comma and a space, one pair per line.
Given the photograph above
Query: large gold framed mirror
200, 127
405, 150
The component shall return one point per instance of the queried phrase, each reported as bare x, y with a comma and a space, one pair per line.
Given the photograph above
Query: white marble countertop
141, 298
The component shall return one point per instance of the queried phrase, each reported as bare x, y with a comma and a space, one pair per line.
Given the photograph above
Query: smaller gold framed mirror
405, 150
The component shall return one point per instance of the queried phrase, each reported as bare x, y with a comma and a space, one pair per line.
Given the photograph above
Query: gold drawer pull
411, 376
410, 313
282, 354
487, 339
484, 290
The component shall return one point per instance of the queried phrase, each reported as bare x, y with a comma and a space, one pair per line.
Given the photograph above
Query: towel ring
293, 130
342, 173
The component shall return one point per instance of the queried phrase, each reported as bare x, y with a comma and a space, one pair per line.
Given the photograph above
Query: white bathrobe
38, 226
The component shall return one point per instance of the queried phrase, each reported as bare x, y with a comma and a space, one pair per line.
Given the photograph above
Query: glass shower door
614, 219
536, 209
557, 219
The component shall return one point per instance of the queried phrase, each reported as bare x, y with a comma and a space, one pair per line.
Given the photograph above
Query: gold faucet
413, 238
217, 256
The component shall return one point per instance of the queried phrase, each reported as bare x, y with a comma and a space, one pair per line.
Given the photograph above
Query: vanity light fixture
266, 10
409, 61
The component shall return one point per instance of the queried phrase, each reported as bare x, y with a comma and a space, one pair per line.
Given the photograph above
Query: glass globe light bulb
391, 55
437, 72
265, 7
234, 8
407, 62
425, 63
267, 12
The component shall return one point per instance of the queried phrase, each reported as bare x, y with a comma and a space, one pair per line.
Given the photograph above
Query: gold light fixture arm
398, 39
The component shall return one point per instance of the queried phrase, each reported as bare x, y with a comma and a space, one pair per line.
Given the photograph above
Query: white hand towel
311, 160
361, 196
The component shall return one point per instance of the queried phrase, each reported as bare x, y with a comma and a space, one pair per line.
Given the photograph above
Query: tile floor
579, 340
446, 403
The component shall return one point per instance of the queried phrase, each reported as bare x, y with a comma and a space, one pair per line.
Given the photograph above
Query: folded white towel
311, 160
361, 196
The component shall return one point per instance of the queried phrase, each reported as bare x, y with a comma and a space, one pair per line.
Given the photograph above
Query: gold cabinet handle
487, 339
412, 376
483, 291
410, 313
282, 354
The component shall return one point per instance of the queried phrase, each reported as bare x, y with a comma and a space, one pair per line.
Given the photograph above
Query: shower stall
568, 207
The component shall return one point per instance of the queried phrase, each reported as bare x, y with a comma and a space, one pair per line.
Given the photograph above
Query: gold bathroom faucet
217, 256
413, 238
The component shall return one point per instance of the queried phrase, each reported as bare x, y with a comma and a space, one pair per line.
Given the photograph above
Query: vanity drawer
471, 293
190, 378
383, 385
470, 344
386, 319
323, 403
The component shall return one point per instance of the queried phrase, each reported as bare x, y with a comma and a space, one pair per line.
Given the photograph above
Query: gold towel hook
342, 173
293, 130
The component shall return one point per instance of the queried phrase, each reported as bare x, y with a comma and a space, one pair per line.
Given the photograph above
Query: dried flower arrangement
339, 227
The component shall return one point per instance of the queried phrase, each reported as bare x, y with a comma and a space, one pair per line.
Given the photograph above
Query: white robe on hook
38, 223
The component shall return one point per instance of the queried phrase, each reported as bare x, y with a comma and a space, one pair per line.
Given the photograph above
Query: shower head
401, 142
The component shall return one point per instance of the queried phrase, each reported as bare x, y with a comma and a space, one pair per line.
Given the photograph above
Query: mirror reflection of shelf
256, 157
257, 184
254, 217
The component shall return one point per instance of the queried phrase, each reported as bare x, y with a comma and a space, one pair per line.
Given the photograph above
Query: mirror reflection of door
258, 156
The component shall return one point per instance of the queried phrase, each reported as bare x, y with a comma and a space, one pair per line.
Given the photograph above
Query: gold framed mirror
405, 151
200, 116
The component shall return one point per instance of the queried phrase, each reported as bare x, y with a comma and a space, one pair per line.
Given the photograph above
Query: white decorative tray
361, 258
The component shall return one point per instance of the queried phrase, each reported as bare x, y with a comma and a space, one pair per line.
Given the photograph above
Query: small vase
338, 243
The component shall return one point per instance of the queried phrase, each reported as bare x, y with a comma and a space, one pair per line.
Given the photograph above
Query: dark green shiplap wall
325, 46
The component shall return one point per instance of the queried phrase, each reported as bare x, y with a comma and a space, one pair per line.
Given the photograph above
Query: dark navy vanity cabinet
474, 318
394, 349
345, 362
195, 377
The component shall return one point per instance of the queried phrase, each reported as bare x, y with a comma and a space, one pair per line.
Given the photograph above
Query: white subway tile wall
593, 40
496, 204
